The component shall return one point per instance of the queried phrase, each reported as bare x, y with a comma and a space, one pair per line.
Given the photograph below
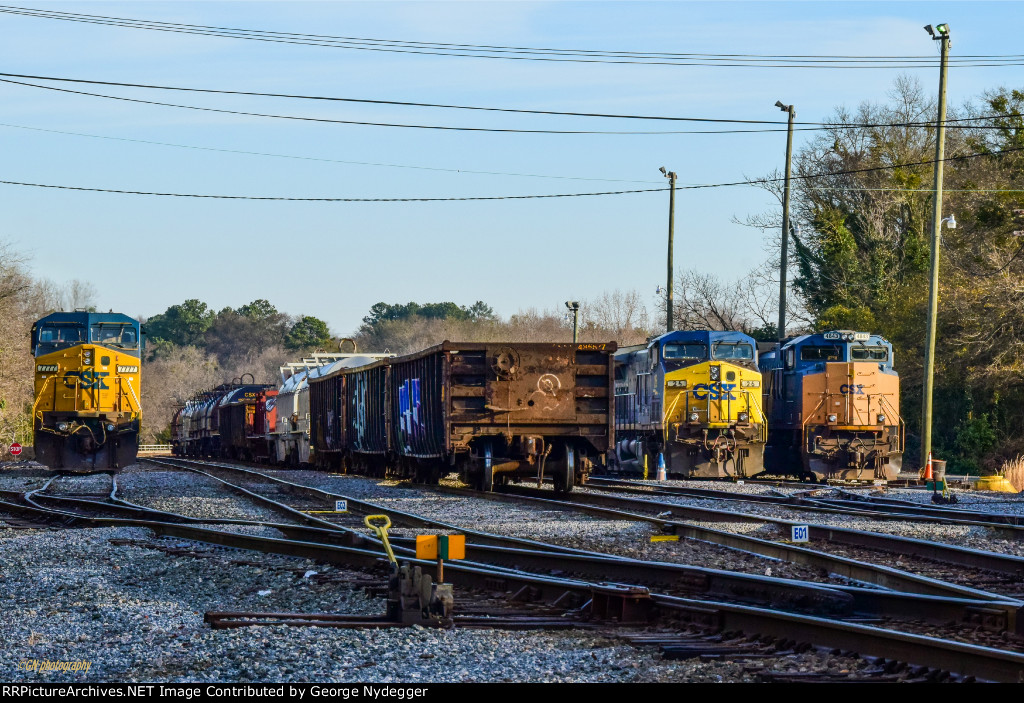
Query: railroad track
965, 563
621, 603
895, 602
1010, 526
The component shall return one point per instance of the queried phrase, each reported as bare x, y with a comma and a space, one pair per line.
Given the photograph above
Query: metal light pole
785, 220
574, 307
671, 176
942, 36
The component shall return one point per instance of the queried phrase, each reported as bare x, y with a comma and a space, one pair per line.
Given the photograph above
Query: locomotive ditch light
110, 428
832, 417
743, 417
694, 417
62, 426
881, 419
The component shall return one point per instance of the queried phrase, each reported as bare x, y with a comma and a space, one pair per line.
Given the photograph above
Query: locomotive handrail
901, 426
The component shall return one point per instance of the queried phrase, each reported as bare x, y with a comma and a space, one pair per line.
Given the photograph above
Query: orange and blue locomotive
833, 401
87, 412
690, 399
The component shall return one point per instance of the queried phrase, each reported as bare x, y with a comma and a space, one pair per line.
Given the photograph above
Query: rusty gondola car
491, 411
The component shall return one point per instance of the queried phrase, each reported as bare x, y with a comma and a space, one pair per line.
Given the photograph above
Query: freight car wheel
487, 470
564, 479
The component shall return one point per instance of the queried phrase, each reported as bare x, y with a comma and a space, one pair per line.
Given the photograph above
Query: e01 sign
800, 533
341, 506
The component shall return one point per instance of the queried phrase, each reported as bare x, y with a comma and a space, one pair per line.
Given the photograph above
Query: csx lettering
714, 391
852, 389
87, 378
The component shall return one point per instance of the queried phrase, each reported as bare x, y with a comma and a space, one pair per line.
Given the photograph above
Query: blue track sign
341, 506
800, 533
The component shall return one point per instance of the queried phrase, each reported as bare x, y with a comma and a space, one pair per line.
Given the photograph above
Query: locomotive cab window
827, 353
59, 336
869, 354
733, 350
117, 335
682, 350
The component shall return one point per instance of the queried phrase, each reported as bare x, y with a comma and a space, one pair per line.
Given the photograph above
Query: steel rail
512, 553
1010, 526
968, 660
1006, 564
961, 604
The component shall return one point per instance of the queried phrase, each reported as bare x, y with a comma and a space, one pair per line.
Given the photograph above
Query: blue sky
334, 260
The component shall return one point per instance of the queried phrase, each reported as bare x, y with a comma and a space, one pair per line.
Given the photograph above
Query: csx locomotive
692, 400
833, 401
86, 413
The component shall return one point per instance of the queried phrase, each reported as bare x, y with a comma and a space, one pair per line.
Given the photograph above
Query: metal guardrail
154, 448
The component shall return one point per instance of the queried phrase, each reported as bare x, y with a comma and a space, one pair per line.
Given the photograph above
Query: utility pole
942, 37
785, 220
671, 176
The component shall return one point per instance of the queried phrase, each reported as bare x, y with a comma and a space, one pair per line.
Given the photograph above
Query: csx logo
87, 378
852, 389
714, 391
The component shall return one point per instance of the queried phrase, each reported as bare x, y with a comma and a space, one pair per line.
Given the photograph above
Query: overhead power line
760, 182
382, 164
406, 103
521, 53
457, 128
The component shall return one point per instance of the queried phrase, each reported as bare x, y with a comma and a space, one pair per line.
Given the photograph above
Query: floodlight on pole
942, 37
785, 219
671, 176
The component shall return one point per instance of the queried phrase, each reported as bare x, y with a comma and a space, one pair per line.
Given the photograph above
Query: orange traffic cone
928, 468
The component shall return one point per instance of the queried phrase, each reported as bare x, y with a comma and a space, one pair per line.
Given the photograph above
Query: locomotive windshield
733, 350
684, 351
115, 335
831, 352
56, 336
869, 354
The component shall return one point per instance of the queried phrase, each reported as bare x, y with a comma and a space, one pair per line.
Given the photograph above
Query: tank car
86, 415
833, 404
690, 399
290, 436
494, 412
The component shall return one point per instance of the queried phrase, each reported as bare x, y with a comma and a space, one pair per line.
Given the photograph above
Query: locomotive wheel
564, 479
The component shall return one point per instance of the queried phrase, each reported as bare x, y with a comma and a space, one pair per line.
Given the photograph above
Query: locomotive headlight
694, 417
716, 373
62, 426
832, 417
881, 419
743, 417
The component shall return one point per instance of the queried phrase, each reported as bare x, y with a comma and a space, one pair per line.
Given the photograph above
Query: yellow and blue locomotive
833, 400
693, 401
86, 413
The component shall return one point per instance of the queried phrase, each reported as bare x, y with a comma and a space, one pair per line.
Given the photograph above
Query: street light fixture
940, 34
785, 219
671, 176
574, 307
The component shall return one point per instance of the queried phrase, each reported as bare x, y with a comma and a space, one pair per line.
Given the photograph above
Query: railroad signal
15, 449
440, 547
